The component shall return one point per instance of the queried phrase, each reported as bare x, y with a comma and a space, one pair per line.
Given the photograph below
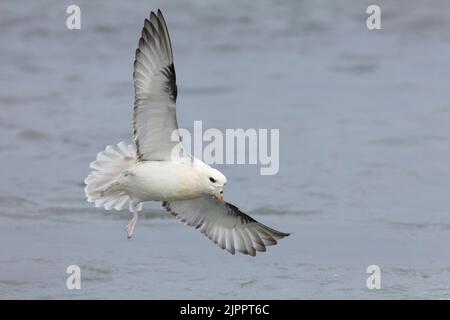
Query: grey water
364, 120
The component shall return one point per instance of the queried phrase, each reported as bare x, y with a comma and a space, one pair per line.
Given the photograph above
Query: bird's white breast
163, 180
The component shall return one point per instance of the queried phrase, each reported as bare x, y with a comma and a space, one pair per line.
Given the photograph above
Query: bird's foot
130, 226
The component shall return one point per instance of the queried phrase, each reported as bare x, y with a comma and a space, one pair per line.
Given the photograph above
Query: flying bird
125, 176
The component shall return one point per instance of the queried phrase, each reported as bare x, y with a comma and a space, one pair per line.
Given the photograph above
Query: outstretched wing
225, 224
155, 88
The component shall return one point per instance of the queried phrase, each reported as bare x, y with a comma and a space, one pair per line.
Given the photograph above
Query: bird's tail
102, 185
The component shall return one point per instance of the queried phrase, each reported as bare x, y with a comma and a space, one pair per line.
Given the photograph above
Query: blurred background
364, 157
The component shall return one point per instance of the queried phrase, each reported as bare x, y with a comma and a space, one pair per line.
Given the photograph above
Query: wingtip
161, 17
146, 24
153, 15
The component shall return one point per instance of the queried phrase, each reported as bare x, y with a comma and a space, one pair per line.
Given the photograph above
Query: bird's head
214, 181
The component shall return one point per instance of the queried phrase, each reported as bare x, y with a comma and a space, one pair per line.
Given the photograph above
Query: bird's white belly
162, 180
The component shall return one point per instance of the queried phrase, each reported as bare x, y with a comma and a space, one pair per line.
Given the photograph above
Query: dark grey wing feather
225, 224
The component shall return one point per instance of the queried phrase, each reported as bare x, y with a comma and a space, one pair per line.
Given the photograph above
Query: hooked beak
219, 194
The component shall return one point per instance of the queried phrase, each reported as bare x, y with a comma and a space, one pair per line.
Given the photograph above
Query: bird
127, 175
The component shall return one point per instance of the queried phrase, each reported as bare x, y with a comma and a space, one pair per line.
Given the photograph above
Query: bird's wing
154, 118
224, 224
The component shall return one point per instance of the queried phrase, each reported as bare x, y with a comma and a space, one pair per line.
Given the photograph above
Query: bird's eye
212, 180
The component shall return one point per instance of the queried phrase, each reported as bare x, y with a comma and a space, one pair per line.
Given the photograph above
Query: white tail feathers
102, 186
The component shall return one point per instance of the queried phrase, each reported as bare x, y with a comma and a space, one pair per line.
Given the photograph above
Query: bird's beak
219, 194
